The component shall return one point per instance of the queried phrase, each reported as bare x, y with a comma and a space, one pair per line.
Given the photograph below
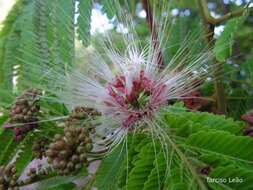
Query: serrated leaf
231, 177
135, 143
156, 177
223, 144
8, 28
186, 123
83, 21
142, 166
110, 168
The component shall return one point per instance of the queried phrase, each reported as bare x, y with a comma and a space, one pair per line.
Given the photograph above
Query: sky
5, 6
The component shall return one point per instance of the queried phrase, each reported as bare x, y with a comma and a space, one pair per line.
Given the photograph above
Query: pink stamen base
126, 100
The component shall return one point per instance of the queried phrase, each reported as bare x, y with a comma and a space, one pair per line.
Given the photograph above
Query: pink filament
126, 100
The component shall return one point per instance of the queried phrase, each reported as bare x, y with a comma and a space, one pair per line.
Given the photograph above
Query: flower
131, 90
248, 117
194, 102
129, 86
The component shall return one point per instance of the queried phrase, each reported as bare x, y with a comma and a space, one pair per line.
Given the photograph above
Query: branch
152, 29
215, 21
229, 15
218, 85
210, 23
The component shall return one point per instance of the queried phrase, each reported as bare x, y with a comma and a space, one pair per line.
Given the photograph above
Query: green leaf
239, 106
224, 144
223, 46
65, 28
186, 123
8, 28
7, 146
108, 8
12, 43
55, 182
135, 143
232, 177
3, 118
110, 167
68, 186
28, 50
157, 174
25, 156
83, 21
143, 166
6, 98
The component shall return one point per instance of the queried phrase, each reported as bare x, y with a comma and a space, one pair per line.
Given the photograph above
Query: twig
152, 29
210, 23
216, 21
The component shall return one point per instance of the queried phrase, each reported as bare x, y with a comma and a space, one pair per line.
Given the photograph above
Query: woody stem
154, 36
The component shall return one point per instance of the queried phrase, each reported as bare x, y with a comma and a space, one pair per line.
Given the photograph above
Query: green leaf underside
110, 168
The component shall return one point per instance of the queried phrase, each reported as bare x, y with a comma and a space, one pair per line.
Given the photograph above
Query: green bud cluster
24, 111
8, 178
39, 148
68, 152
79, 114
